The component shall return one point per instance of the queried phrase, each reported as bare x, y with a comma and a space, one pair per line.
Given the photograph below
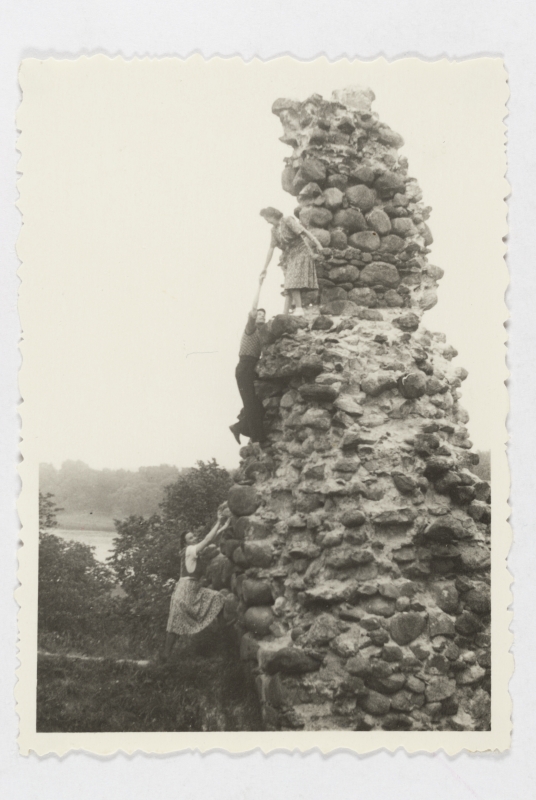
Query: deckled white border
498, 739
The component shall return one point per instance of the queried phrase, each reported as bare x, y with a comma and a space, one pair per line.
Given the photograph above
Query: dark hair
271, 213
182, 538
261, 309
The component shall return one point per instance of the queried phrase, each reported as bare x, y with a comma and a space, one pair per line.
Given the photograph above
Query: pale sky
142, 240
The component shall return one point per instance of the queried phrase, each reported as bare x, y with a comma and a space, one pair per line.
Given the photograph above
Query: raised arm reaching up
214, 532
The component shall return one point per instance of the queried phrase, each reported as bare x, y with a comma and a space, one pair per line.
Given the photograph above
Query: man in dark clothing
250, 419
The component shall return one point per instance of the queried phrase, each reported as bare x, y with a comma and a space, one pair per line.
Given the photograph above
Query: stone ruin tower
358, 562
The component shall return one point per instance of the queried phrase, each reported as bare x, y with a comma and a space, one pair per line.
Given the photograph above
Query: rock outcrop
359, 556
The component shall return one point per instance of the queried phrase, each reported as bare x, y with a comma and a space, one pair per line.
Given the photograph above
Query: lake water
102, 541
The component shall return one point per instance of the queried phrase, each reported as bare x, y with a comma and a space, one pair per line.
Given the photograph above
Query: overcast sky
143, 242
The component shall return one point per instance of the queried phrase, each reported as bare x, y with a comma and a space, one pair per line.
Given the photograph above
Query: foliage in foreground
74, 588
200, 691
146, 559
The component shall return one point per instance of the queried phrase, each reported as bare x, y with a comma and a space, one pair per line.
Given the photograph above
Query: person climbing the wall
193, 606
250, 419
297, 260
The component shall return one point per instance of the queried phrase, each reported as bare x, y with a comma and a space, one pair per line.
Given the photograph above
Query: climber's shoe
235, 432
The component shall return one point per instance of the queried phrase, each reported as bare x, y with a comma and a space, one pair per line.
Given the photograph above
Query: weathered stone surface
444, 529
323, 630
349, 406
377, 383
321, 393
346, 644
379, 221
312, 170
353, 519
406, 627
257, 593
374, 530
388, 184
403, 226
333, 198
382, 606
412, 385
439, 689
258, 619
376, 703
361, 196
440, 624
258, 554
478, 600
330, 591
392, 243
468, 624
339, 239
243, 500
350, 220
407, 322
291, 660
395, 516
313, 217
283, 324
404, 483
368, 241
322, 323
380, 273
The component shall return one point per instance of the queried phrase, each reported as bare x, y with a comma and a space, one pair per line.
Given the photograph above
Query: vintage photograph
264, 403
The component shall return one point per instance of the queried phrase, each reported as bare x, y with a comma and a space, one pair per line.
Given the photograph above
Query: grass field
205, 688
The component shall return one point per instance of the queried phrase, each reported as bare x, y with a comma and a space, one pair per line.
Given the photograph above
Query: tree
146, 558
73, 588
193, 499
47, 512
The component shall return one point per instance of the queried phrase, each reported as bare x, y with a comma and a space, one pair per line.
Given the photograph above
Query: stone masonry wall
358, 561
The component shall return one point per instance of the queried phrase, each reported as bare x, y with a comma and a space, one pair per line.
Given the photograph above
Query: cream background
142, 194
109, 320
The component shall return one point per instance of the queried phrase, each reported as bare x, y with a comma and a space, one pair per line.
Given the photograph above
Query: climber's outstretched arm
215, 531
262, 276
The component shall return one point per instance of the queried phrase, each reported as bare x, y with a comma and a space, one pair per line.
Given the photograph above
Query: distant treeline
110, 493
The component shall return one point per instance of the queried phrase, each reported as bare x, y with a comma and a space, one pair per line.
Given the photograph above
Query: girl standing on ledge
297, 260
193, 606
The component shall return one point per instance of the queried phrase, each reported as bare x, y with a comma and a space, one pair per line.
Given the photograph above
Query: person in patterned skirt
297, 260
193, 606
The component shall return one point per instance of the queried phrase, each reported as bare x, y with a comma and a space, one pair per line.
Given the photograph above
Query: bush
74, 588
146, 559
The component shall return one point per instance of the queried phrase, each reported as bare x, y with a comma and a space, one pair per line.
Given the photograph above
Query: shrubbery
146, 559
76, 591
74, 588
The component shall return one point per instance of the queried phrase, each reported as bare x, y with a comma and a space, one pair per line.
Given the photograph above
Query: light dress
193, 606
297, 259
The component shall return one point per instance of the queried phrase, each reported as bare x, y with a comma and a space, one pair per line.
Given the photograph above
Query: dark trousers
250, 418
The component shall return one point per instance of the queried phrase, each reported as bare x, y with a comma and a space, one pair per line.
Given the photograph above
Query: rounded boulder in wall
257, 593
350, 220
379, 273
243, 500
361, 196
368, 241
258, 620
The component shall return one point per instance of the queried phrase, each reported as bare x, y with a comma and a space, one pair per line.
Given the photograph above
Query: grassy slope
204, 689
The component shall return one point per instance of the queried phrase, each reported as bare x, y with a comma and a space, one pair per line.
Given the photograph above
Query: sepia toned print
340, 579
